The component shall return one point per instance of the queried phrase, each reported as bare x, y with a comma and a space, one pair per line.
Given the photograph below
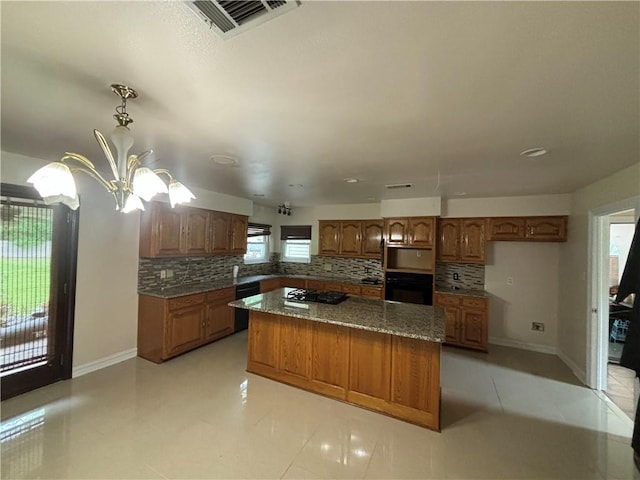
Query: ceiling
440, 95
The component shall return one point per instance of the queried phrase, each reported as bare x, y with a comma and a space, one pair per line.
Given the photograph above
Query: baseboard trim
534, 347
104, 362
577, 371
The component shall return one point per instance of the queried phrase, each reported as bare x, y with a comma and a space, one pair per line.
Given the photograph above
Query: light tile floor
620, 386
511, 414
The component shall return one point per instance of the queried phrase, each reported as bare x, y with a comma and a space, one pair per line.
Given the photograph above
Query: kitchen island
381, 355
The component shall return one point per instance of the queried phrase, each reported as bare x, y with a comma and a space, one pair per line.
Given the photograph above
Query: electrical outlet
163, 274
456, 277
509, 280
537, 326
327, 267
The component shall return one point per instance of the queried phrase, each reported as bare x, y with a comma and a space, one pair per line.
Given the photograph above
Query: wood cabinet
188, 231
270, 284
528, 229
372, 233
353, 289
293, 282
461, 240
410, 232
466, 320
169, 327
329, 243
351, 238
392, 375
219, 316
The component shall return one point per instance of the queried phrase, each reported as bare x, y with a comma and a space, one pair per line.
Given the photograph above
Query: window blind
295, 232
258, 230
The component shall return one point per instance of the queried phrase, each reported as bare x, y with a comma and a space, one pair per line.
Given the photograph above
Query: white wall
574, 310
106, 313
507, 206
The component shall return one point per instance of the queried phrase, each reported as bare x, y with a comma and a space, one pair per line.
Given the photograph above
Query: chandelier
131, 180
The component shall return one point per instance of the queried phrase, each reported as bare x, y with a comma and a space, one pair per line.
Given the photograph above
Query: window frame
286, 259
265, 242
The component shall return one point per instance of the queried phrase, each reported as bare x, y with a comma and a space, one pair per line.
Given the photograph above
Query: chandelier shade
132, 182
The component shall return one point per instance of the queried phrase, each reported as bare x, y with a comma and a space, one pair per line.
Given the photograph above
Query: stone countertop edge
422, 322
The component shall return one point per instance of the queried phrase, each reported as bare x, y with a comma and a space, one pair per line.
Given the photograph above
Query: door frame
598, 306
66, 251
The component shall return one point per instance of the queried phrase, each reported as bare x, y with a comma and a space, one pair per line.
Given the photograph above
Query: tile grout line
299, 451
497, 394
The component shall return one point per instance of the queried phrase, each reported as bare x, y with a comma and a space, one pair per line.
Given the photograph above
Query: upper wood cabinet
449, 239
187, 231
529, 229
372, 238
461, 240
410, 231
351, 238
329, 244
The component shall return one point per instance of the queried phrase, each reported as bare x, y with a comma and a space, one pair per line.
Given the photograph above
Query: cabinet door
350, 238
220, 232
184, 329
329, 244
506, 228
196, 231
372, 238
219, 320
329, 358
451, 325
371, 292
547, 229
239, 225
369, 371
422, 231
263, 341
396, 231
473, 331
472, 245
293, 351
270, 284
168, 228
449, 239
293, 282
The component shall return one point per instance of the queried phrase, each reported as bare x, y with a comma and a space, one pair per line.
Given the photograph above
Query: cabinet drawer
227, 294
333, 286
371, 292
315, 284
474, 302
444, 300
353, 289
181, 302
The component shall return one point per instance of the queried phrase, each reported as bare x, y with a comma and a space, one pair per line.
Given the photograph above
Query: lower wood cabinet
466, 320
270, 284
169, 327
392, 375
353, 289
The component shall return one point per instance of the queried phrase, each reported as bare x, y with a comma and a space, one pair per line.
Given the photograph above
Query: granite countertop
195, 288
462, 291
411, 320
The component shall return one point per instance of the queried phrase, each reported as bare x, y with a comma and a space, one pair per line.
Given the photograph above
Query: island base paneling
394, 375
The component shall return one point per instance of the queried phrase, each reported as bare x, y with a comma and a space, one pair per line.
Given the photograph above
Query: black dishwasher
241, 321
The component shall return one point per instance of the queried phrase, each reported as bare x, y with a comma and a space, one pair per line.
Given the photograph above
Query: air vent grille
228, 18
398, 185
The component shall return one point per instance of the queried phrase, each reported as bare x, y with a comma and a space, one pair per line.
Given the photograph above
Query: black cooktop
330, 297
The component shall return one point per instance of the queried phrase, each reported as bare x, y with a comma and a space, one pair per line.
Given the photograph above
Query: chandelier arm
158, 171
87, 167
107, 152
132, 163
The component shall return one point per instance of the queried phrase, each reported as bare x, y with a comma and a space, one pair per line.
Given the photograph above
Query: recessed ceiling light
258, 194
295, 185
460, 194
534, 152
371, 199
351, 180
224, 160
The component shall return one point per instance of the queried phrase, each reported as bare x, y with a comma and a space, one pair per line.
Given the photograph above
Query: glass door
38, 246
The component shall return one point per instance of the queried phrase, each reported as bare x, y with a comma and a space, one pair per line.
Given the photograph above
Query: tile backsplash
470, 276
200, 269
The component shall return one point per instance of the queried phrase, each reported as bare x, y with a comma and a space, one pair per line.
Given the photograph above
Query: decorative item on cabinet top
528, 229
187, 231
351, 238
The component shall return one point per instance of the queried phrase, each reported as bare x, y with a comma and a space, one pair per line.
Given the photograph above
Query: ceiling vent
396, 186
229, 18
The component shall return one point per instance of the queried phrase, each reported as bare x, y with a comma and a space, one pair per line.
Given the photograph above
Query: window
257, 243
296, 243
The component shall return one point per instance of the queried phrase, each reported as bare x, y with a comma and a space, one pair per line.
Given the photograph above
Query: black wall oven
409, 287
